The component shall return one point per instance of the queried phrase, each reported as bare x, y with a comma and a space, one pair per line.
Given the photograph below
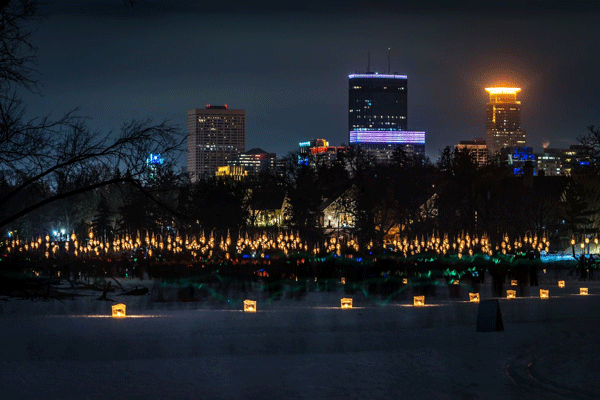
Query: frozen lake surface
302, 350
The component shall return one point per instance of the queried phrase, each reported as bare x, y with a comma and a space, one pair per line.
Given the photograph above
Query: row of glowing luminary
119, 310
283, 242
419, 301
196, 246
464, 245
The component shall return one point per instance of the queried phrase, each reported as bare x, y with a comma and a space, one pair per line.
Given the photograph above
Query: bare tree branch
17, 53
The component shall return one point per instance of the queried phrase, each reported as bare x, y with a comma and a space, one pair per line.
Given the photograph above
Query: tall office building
215, 135
377, 115
503, 119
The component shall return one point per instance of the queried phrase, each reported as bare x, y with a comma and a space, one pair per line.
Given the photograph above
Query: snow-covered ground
308, 349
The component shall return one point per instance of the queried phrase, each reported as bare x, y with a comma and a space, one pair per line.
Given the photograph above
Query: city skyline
288, 66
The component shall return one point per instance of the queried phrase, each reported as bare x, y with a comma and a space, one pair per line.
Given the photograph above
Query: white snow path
549, 350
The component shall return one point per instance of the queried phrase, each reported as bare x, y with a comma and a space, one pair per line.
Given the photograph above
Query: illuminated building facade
319, 149
516, 157
476, 148
234, 172
563, 161
154, 162
215, 135
256, 161
577, 156
550, 161
503, 119
314, 146
377, 115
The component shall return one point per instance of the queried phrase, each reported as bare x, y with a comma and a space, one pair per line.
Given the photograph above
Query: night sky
288, 66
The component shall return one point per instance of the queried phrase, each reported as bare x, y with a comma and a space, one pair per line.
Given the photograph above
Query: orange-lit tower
503, 119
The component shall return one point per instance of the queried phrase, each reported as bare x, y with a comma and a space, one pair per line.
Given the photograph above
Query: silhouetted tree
577, 213
102, 224
59, 158
458, 193
216, 204
592, 141
304, 196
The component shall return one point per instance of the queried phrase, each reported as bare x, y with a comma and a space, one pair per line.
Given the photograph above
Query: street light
587, 241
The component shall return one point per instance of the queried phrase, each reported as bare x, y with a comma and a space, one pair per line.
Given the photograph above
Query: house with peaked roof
339, 210
266, 208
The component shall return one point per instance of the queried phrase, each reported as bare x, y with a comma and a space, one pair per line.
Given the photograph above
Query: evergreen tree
102, 224
577, 213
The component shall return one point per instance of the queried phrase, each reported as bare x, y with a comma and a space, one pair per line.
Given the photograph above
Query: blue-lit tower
154, 162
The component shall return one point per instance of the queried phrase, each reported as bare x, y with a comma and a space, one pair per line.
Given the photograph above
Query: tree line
405, 197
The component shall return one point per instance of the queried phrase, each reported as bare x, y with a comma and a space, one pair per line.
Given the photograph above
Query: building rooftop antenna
389, 60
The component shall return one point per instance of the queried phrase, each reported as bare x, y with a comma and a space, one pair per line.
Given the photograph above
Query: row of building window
381, 116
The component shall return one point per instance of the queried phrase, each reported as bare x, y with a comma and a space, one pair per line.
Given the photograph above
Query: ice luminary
419, 300
456, 282
118, 310
583, 291
249, 306
343, 280
514, 282
346, 303
405, 281
561, 284
474, 297
511, 294
544, 294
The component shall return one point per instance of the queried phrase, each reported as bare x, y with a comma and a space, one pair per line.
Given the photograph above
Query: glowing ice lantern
346, 303
343, 280
474, 297
511, 294
249, 306
514, 282
419, 301
118, 310
583, 291
544, 294
405, 281
561, 284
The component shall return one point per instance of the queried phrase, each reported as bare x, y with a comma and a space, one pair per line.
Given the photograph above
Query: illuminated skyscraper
503, 119
215, 135
377, 102
377, 115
